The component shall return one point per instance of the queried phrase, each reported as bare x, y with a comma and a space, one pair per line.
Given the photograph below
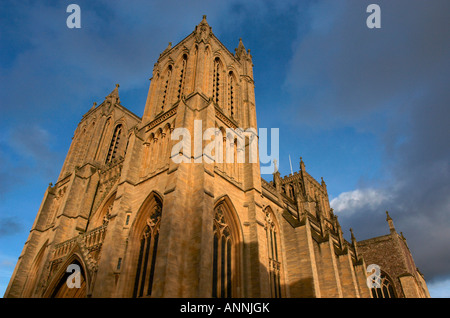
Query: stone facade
141, 220
396, 263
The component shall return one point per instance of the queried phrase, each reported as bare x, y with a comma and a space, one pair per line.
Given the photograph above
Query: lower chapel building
139, 224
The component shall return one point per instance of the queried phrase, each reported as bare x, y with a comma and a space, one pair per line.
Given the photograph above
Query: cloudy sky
367, 109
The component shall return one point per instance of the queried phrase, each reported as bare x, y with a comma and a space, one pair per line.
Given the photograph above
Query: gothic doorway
78, 284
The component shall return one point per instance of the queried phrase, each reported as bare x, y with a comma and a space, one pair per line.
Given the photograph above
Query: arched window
222, 285
147, 253
54, 210
33, 273
386, 289
114, 145
166, 87
225, 253
182, 77
148, 155
216, 80
102, 215
231, 95
274, 259
82, 141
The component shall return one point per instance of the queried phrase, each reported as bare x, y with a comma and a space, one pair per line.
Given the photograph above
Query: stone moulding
161, 118
225, 119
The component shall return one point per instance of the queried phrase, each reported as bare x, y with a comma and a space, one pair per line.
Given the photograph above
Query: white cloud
440, 289
348, 203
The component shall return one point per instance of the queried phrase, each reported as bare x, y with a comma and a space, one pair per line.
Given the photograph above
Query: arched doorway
72, 283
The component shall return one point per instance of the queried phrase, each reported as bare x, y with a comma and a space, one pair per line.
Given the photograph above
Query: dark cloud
9, 226
60, 69
50, 75
354, 73
31, 141
26, 153
392, 82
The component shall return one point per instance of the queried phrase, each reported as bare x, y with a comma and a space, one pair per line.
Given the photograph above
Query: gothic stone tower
141, 220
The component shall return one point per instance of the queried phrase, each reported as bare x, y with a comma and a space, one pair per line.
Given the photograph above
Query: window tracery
222, 256
147, 254
114, 145
274, 260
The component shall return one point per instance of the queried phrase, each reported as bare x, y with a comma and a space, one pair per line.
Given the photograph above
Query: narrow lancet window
274, 261
222, 256
114, 145
216, 81
231, 97
166, 88
147, 255
182, 77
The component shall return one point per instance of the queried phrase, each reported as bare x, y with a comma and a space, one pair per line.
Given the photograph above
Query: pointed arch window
114, 145
216, 80
386, 289
32, 278
291, 192
54, 209
231, 95
166, 87
147, 254
222, 256
103, 214
274, 260
182, 76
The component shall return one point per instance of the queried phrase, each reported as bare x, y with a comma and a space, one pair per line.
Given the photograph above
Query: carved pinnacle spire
302, 164
203, 31
355, 244
115, 91
203, 22
390, 222
240, 50
113, 97
353, 236
241, 44
388, 216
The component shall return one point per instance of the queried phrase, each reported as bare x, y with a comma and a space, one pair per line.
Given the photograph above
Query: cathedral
137, 219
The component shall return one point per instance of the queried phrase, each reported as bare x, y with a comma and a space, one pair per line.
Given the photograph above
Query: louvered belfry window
216, 81
114, 145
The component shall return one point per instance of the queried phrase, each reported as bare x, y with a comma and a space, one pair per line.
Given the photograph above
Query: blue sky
367, 109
